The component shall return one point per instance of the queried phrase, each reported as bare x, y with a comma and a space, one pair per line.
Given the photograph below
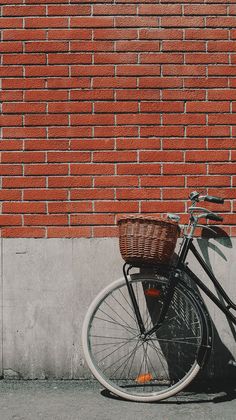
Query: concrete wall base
47, 285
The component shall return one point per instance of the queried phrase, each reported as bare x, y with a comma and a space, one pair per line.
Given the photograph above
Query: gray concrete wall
46, 286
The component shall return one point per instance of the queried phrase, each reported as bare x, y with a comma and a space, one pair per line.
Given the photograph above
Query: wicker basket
147, 240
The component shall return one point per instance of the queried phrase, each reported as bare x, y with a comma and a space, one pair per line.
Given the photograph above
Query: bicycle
146, 336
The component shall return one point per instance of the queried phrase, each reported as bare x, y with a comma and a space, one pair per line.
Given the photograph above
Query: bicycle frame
188, 245
175, 273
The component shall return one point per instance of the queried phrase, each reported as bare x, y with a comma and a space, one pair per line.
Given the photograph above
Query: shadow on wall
221, 360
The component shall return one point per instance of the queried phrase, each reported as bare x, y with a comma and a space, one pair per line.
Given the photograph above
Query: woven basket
147, 240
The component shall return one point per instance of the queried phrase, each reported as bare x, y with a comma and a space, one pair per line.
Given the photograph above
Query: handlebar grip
213, 199
216, 217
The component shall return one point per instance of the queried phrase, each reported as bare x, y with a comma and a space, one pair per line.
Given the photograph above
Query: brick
115, 34
92, 169
184, 70
24, 11
162, 206
10, 195
111, 107
45, 220
10, 220
46, 95
183, 21
229, 168
45, 195
23, 84
24, 182
69, 58
24, 34
185, 119
207, 156
39, 46
206, 58
139, 143
46, 169
11, 71
88, 119
91, 22
206, 9
197, 107
115, 181
116, 9
211, 181
138, 70
206, 34
11, 145
183, 46
162, 181
68, 156
116, 206
184, 168
92, 194
162, 58
115, 58
69, 182
46, 144
10, 120
22, 157
159, 9
10, 47
222, 119
160, 82
11, 22
92, 219
138, 169
25, 132
69, 132
68, 232
139, 119
11, 170
45, 120
114, 156
210, 131
46, 22
23, 107
70, 207
138, 194
46, 71
137, 22
23, 232
160, 156
69, 10
107, 231
197, 143
92, 144
115, 131
54, 34
166, 131
24, 207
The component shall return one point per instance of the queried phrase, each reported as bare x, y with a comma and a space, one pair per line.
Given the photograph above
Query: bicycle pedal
232, 363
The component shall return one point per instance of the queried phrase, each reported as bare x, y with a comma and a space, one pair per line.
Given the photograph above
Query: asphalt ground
87, 400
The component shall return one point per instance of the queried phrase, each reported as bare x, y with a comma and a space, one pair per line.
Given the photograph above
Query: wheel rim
127, 364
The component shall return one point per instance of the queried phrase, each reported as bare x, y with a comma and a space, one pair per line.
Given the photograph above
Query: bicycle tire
140, 370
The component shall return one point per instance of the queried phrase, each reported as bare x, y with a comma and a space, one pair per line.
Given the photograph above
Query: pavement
87, 400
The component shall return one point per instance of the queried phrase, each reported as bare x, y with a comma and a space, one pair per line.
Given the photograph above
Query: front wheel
138, 368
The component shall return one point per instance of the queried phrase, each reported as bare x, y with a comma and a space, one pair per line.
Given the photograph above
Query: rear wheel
131, 366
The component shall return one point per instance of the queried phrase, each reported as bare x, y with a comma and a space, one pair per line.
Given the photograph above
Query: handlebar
196, 197
213, 199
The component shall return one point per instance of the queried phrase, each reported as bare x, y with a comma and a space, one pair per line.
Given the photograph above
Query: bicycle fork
168, 295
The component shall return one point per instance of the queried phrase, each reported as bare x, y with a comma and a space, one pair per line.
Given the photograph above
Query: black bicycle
145, 337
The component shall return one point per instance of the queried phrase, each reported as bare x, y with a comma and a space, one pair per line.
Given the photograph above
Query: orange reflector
144, 378
152, 292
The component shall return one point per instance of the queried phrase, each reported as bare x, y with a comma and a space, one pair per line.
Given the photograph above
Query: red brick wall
111, 107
